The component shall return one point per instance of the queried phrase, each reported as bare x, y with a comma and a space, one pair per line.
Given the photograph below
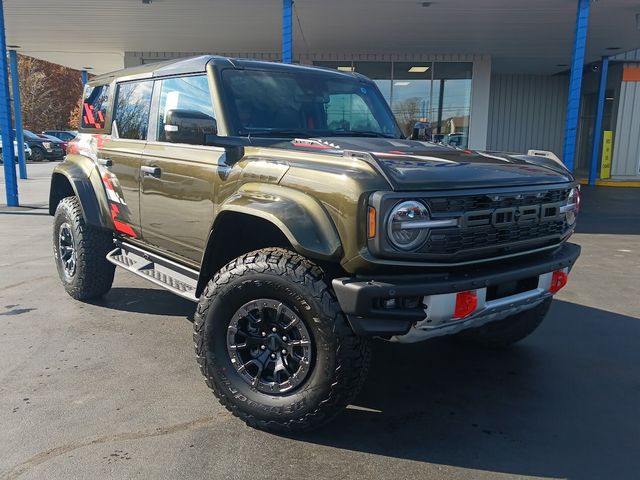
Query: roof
199, 64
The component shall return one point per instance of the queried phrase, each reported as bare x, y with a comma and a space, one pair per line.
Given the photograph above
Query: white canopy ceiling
522, 36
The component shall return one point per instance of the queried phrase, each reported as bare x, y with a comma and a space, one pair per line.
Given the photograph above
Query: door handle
107, 162
151, 171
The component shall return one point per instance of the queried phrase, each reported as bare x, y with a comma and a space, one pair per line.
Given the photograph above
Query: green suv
285, 201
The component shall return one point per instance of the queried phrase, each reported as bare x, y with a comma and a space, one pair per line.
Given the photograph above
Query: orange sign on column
631, 74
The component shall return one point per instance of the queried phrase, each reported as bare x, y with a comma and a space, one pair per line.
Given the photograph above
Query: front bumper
362, 298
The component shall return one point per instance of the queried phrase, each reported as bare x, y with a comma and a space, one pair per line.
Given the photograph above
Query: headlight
572, 206
405, 225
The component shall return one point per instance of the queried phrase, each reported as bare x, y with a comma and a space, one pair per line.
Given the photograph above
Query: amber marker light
371, 225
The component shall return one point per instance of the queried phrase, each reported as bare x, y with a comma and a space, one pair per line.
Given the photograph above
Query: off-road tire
341, 358
93, 274
506, 332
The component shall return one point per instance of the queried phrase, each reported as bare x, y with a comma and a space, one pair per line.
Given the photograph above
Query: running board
172, 276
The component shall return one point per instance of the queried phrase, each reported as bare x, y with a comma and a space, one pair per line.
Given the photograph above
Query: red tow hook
558, 280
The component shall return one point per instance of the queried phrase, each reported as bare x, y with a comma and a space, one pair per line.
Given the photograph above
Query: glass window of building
412, 101
430, 100
452, 94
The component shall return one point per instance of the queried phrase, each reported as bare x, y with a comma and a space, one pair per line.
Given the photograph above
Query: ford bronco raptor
285, 201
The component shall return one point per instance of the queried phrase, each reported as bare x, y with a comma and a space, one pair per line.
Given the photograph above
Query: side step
174, 277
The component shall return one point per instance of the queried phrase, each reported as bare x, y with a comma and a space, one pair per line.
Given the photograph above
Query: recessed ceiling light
401, 84
346, 68
613, 48
418, 69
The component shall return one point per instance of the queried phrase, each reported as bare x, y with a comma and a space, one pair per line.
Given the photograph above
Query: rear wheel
273, 344
503, 333
80, 252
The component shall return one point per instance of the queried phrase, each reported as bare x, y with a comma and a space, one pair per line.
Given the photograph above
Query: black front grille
457, 240
470, 203
472, 242
488, 224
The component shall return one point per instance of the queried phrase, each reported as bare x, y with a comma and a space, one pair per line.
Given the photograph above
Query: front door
177, 179
120, 156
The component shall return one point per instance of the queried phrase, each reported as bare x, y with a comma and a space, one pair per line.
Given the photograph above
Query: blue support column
17, 113
597, 131
575, 84
287, 31
85, 77
10, 181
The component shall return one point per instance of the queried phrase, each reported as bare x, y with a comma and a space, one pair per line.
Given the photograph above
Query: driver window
184, 93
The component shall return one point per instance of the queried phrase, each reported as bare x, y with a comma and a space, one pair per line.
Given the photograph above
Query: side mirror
188, 126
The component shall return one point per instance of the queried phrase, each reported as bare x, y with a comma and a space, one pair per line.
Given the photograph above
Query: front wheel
37, 154
80, 252
503, 333
273, 344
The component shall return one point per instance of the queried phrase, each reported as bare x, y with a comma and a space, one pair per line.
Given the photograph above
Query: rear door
178, 179
120, 155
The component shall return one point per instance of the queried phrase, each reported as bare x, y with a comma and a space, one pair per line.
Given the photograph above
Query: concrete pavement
112, 389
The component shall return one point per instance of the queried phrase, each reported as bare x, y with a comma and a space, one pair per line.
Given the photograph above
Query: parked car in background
27, 150
43, 148
64, 135
56, 140
456, 139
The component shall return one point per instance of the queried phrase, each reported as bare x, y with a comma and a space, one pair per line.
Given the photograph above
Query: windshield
283, 104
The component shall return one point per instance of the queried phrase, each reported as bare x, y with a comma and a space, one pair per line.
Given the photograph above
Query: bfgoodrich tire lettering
90, 275
340, 358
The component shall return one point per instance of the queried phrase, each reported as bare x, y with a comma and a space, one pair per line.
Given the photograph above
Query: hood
415, 165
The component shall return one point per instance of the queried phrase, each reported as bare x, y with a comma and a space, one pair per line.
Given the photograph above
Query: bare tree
48, 93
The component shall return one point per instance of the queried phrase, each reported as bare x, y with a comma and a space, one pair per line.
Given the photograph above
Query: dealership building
515, 75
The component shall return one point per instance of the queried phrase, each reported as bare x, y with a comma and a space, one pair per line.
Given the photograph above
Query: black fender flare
83, 176
300, 217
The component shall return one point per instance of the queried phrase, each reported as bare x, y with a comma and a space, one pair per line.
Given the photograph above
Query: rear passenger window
94, 106
185, 93
133, 102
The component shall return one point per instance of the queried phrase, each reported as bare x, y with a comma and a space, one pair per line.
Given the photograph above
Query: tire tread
94, 273
353, 352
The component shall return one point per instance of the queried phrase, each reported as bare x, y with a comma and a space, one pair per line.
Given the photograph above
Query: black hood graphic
415, 165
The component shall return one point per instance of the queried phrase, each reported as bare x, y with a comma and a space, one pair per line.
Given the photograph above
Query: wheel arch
259, 217
81, 178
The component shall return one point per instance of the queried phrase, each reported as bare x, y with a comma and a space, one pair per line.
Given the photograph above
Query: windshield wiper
285, 133
360, 133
